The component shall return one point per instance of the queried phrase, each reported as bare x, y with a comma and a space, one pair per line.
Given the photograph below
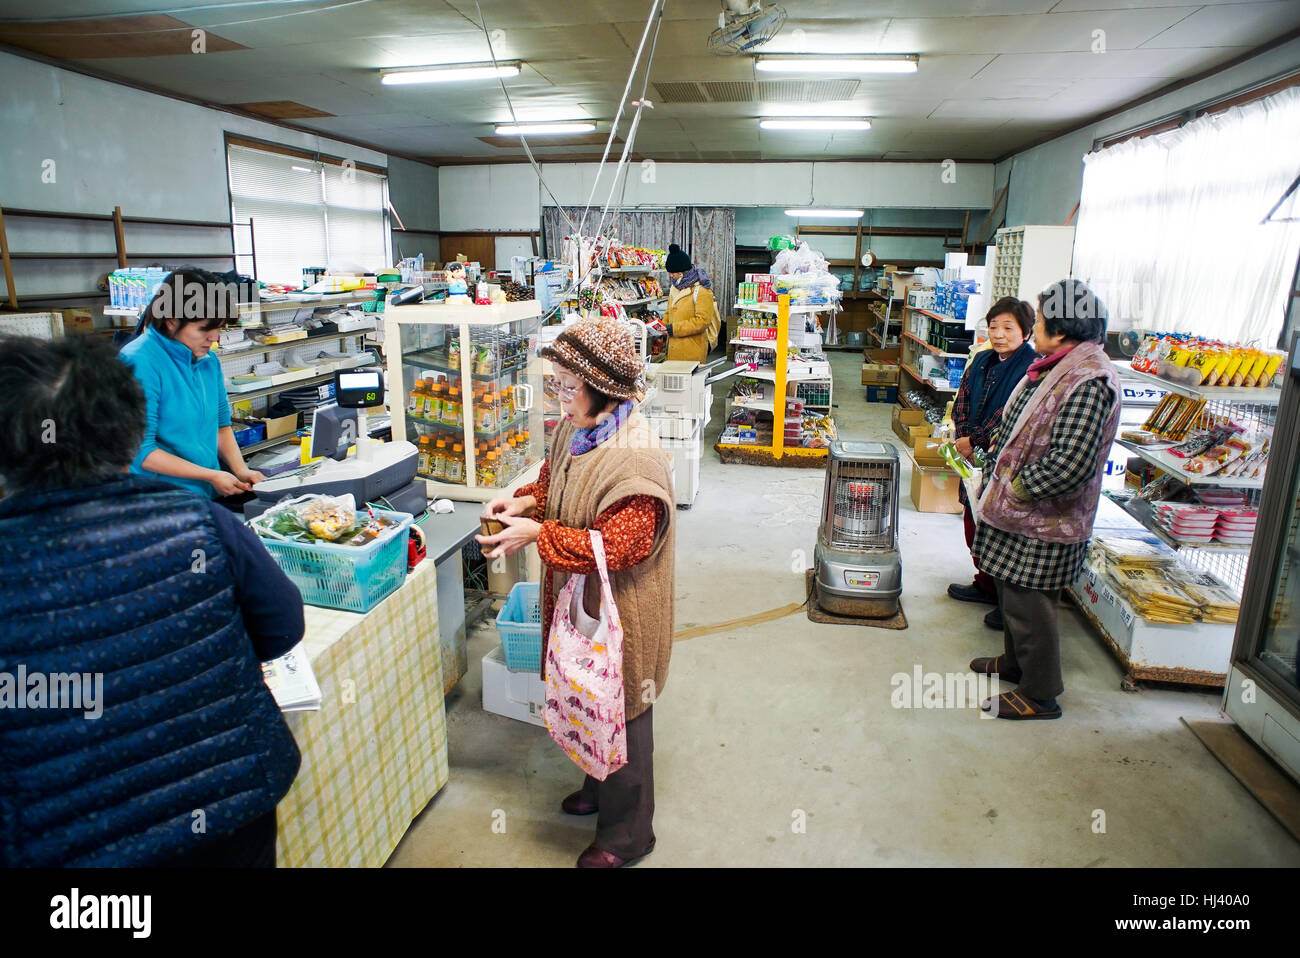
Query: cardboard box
80, 319
926, 452
280, 425
909, 425
884, 357
516, 695
879, 393
935, 490
877, 374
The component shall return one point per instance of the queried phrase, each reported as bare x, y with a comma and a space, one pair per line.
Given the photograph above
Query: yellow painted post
782, 365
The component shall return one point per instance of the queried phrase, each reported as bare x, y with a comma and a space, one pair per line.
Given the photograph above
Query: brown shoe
594, 857
575, 804
990, 667
1013, 705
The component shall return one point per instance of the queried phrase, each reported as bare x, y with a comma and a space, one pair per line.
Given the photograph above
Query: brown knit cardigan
629, 463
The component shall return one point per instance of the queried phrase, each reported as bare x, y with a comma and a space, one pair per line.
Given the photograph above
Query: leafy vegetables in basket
315, 518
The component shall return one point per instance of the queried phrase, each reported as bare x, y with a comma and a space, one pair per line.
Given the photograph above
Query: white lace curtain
1169, 231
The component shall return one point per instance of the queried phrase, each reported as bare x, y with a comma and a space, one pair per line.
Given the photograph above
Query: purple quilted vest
1066, 518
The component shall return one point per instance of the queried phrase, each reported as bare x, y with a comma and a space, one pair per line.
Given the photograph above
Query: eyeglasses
555, 387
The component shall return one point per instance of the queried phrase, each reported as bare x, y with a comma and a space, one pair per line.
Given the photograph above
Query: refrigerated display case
1263, 691
465, 388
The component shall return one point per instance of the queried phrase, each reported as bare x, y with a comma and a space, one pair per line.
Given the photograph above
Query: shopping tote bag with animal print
585, 713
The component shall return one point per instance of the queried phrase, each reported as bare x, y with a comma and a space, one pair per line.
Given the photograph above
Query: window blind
306, 213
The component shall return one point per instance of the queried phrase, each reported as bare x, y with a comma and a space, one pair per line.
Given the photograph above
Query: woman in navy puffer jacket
135, 728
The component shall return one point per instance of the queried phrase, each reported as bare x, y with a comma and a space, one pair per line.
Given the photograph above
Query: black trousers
252, 846
1031, 640
627, 798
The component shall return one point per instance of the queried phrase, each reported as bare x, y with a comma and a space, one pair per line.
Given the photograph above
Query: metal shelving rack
1197, 653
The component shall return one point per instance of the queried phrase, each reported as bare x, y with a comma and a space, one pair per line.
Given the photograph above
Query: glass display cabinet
1263, 691
465, 387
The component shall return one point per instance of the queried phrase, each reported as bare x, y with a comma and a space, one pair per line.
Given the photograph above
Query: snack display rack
1198, 652
784, 380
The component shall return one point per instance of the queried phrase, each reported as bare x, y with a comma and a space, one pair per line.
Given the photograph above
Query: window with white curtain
1170, 233
306, 213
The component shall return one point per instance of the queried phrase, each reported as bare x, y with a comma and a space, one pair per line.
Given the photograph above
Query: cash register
347, 460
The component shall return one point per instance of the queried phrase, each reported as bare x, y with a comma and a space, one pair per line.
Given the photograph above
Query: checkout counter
375, 753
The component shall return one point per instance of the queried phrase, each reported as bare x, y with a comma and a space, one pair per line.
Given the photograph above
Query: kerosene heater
857, 566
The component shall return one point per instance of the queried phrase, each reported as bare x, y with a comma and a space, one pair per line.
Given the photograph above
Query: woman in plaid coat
1040, 499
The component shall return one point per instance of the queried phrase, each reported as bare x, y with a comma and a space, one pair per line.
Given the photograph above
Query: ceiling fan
744, 26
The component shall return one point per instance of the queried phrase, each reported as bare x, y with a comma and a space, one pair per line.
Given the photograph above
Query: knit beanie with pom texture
603, 354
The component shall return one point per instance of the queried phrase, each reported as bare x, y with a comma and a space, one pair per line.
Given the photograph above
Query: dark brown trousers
1031, 639
627, 798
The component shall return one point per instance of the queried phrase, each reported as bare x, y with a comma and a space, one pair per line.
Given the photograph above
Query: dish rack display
781, 345
281, 347
1193, 483
463, 383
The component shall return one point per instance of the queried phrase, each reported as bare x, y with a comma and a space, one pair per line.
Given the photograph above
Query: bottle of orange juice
422, 464
439, 460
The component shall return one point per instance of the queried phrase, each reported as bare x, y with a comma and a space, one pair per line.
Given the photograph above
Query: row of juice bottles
437, 400
497, 461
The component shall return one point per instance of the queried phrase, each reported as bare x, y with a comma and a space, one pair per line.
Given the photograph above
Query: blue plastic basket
520, 625
351, 578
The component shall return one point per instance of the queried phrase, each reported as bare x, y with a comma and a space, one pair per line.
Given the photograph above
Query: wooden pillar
120, 237
8, 265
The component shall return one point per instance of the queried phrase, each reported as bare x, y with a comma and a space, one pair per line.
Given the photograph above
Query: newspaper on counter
292, 681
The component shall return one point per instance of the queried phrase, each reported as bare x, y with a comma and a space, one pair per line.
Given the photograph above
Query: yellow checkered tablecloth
376, 752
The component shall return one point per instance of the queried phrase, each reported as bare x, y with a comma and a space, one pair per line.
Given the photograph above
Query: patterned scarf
1043, 364
693, 275
585, 440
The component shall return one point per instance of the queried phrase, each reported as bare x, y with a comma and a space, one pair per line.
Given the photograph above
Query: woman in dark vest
990, 376
1040, 496
153, 609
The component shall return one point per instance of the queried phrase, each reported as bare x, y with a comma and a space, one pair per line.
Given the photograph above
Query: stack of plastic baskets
351, 578
520, 625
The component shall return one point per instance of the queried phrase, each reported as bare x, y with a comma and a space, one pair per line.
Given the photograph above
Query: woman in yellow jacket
692, 315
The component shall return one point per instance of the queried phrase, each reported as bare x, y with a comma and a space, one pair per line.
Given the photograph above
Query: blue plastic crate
351, 578
520, 625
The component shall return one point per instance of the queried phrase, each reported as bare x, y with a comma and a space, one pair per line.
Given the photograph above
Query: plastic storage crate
354, 579
520, 625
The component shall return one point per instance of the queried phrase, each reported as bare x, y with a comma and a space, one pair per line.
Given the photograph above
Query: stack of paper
292, 681
1132, 552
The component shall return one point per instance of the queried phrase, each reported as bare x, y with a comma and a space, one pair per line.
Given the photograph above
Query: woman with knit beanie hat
606, 472
692, 317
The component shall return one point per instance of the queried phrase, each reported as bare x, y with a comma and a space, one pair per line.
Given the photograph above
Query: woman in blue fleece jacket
187, 434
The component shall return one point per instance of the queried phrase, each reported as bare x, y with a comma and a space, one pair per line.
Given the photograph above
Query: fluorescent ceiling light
303, 169
827, 214
817, 123
890, 63
450, 72
534, 129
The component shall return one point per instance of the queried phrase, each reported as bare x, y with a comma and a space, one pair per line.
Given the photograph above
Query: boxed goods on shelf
885, 394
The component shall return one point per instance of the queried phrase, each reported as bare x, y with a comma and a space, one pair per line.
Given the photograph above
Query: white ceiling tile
1236, 25
1055, 33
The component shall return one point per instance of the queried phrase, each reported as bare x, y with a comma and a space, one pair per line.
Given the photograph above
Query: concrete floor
789, 722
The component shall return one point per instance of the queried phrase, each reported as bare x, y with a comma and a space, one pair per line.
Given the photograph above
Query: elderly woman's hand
518, 532
964, 446
509, 506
